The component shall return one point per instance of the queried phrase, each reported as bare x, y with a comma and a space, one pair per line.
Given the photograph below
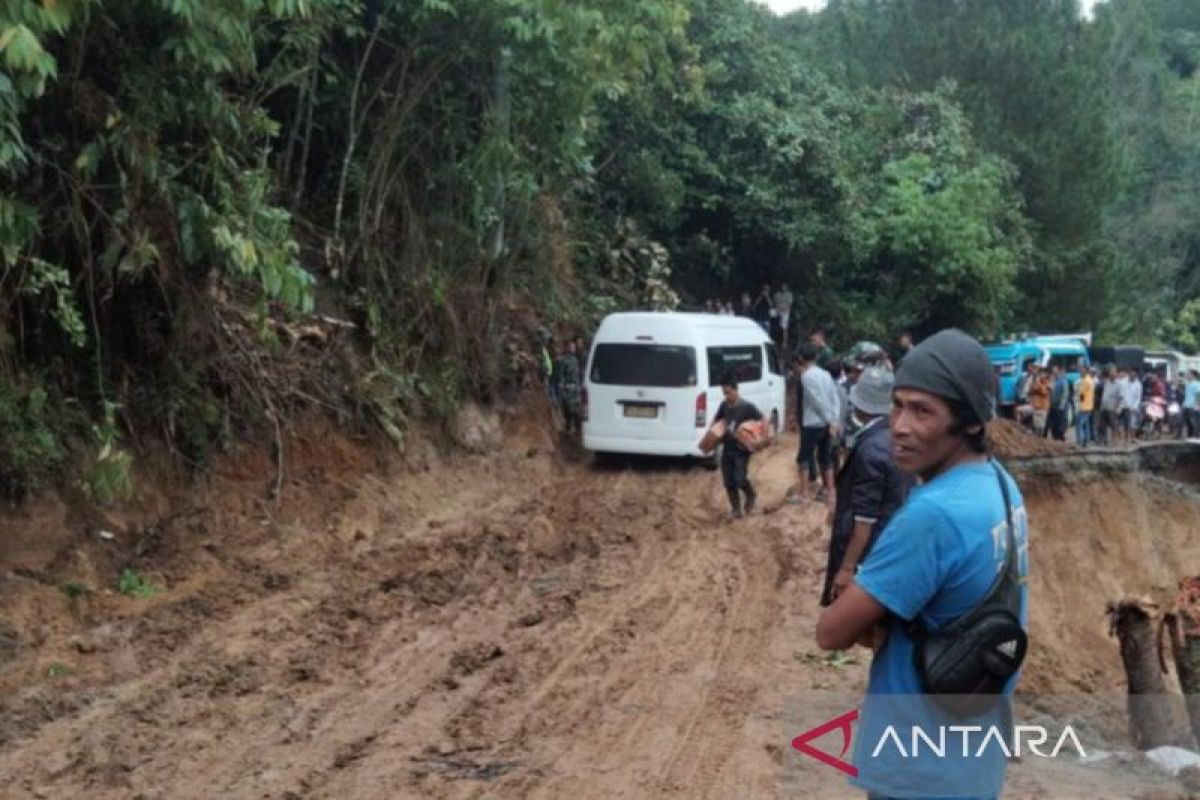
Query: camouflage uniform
570, 384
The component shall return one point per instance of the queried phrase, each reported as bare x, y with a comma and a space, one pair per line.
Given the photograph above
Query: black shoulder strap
1005, 588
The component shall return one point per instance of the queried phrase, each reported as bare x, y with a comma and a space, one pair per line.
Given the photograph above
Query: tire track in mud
574, 631
662, 712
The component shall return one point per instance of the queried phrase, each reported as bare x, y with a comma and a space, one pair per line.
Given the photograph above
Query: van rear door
643, 390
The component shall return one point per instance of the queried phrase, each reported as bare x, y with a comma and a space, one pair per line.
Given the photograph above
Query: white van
652, 382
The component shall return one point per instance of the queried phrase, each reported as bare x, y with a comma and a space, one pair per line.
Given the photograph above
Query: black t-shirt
735, 415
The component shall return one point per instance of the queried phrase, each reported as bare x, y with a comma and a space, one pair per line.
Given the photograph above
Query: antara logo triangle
843, 723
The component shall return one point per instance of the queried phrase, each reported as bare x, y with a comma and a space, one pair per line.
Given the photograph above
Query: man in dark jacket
869, 487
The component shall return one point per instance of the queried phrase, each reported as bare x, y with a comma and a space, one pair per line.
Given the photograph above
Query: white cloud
788, 6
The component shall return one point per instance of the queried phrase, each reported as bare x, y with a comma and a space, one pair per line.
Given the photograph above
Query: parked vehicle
1171, 363
652, 384
1011, 358
1120, 356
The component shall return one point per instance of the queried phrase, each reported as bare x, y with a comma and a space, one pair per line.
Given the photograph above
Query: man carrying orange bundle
735, 457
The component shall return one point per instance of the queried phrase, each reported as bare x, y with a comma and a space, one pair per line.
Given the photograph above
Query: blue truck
1011, 357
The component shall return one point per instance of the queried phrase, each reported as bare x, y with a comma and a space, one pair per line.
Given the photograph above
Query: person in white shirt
1131, 405
820, 424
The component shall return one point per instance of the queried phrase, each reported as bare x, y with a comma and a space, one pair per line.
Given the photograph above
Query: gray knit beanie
953, 366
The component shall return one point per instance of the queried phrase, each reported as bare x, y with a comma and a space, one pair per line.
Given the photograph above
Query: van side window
746, 363
773, 360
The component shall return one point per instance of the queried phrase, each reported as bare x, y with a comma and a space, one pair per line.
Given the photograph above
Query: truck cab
1012, 358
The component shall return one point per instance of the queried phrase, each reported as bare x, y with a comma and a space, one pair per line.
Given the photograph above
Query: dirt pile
1009, 439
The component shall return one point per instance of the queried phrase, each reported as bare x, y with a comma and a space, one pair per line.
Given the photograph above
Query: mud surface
519, 625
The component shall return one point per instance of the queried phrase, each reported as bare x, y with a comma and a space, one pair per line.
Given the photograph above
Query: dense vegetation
215, 212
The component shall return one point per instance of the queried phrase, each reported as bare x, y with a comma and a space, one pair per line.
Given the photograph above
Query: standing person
581, 352
783, 310
1175, 407
1155, 392
1191, 405
1060, 399
869, 488
824, 351
819, 424
1039, 398
570, 387
1110, 407
764, 309
838, 442
1131, 404
1024, 407
936, 560
904, 345
746, 309
735, 459
546, 369
1085, 403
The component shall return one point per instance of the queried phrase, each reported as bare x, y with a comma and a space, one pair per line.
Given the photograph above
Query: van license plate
641, 410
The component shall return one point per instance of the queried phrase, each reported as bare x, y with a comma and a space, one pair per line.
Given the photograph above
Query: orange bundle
753, 435
712, 437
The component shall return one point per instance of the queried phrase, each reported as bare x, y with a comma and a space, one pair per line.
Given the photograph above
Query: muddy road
521, 626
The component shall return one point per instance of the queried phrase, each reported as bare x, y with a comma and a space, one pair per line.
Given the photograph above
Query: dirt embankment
510, 625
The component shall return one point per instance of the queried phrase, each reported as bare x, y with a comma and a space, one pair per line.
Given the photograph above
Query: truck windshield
657, 365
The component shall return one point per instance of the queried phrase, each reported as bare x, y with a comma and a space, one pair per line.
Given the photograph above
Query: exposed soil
519, 625
1010, 439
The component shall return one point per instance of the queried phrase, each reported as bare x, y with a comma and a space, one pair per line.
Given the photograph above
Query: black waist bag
965, 664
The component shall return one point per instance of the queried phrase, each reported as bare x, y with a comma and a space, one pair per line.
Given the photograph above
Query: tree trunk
1183, 626
1150, 718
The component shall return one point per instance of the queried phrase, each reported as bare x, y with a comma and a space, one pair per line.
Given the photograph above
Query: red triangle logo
843, 723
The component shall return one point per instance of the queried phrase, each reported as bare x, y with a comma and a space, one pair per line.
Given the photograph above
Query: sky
786, 6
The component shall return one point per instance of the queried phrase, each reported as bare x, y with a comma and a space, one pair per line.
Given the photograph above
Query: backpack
965, 664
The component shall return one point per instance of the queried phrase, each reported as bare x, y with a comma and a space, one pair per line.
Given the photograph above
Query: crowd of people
826, 415
914, 569
770, 309
1108, 405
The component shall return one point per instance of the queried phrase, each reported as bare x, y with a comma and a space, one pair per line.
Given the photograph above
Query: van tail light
583, 402
701, 409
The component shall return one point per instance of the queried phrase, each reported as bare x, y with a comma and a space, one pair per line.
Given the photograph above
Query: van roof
674, 322
1002, 350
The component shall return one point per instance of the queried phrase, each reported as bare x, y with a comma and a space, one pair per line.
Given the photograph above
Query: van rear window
746, 364
659, 365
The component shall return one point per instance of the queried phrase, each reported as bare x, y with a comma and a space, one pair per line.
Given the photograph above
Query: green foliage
131, 584
187, 181
1183, 330
1153, 111
74, 590
939, 232
31, 453
109, 478
57, 670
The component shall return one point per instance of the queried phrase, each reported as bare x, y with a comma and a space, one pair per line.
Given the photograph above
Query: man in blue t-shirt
935, 561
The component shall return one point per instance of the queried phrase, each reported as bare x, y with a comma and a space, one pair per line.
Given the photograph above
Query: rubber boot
751, 498
735, 503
